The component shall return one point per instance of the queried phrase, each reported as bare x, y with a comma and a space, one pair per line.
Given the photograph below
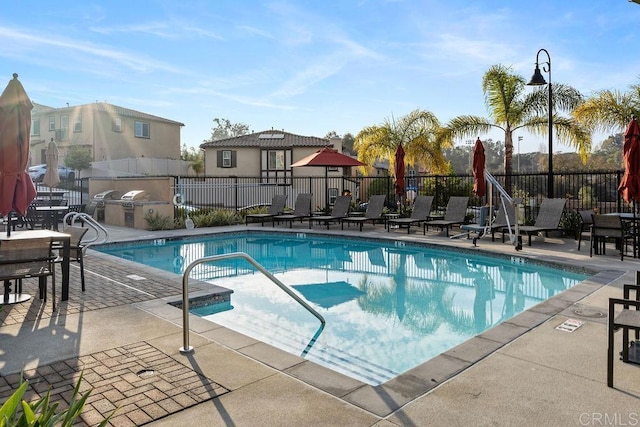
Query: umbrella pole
326, 189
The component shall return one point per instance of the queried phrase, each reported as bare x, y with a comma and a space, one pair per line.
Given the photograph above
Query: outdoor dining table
52, 214
55, 236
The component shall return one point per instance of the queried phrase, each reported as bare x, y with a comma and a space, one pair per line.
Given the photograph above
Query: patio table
53, 214
55, 236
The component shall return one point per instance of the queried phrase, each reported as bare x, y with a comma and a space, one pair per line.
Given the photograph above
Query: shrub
155, 221
216, 217
42, 412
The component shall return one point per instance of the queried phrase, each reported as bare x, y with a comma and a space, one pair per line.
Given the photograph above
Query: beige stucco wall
98, 136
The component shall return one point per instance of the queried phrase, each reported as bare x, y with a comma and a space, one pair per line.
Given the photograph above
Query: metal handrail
88, 219
186, 348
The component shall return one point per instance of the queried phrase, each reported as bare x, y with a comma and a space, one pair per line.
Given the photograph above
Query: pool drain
585, 312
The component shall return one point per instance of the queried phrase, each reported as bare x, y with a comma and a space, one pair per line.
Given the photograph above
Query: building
268, 154
109, 132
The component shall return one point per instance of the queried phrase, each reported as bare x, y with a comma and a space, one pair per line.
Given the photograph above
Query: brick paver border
139, 381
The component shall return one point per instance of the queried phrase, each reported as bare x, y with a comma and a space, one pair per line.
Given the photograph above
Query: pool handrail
87, 219
186, 348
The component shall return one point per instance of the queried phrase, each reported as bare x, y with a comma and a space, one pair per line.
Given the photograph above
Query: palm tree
609, 109
416, 132
512, 106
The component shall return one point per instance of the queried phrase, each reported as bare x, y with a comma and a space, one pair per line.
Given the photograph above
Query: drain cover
585, 312
145, 373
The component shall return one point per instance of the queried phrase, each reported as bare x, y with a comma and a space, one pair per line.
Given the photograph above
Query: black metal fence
583, 190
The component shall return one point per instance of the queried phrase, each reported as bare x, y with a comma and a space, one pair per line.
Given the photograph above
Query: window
52, 123
332, 193
77, 125
226, 159
35, 127
117, 124
276, 160
63, 133
142, 130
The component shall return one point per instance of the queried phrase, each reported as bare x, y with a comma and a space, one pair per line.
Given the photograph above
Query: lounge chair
454, 215
419, 214
301, 210
373, 212
276, 208
340, 210
548, 218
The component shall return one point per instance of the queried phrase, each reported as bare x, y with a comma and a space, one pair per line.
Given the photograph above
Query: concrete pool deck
124, 338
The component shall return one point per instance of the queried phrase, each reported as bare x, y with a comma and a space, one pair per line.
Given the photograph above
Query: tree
416, 132
609, 109
224, 129
194, 157
78, 158
347, 141
511, 107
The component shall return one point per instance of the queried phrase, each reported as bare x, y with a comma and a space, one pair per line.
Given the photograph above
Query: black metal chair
76, 249
25, 258
627, 319
608, 227
586, 220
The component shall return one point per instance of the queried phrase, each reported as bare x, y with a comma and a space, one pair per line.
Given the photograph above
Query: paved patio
124, 338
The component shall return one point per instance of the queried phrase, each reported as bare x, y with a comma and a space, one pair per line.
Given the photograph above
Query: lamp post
519, 139
537, 80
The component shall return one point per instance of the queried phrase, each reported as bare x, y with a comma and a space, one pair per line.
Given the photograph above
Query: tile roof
268, 139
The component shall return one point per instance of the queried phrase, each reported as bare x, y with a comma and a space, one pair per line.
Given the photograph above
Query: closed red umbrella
16, 188
479, 185
329, 158
399, 171
629, 186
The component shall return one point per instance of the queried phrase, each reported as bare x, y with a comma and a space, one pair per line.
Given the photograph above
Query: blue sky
309, 67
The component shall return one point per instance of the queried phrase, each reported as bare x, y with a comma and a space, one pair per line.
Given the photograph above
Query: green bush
42, 412
155, 221
216, 218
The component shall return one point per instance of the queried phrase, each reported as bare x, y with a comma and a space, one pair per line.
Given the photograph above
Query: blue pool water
389, 306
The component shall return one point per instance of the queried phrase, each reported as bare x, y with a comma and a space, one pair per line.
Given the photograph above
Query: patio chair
548, 218
373, 212
627, 319
76, 249
584, 228
25, 258
454, 215
301, 210
340, 210
608, 226
276, 208
419, 214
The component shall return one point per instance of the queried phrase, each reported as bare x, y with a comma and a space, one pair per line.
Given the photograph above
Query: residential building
268, 154
109, 132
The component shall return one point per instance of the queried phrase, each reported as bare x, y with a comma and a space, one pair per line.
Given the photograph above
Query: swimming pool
389, 306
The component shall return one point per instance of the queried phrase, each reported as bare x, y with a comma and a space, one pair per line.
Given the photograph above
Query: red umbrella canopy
630, 183
399, 170
479, 185
328, 157
16, 187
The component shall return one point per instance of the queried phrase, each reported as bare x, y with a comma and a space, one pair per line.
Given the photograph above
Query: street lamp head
537, 79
